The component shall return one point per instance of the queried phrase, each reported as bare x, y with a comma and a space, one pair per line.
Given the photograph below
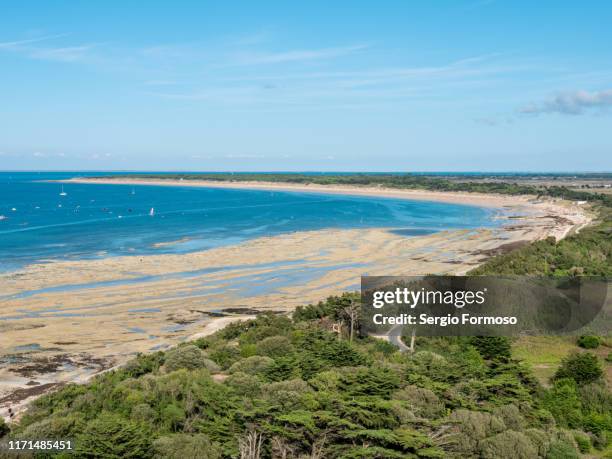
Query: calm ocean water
109, 220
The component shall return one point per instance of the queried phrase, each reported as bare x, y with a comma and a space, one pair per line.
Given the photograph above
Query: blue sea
95, 220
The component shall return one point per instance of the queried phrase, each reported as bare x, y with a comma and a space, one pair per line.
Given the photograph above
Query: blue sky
318, 85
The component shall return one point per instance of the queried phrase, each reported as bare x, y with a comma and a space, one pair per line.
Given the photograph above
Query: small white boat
3, 217
63, 193
14, 209
152, 212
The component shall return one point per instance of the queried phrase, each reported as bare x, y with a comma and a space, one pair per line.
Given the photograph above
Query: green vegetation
405, 181
587, 253
588, 341
291, 388
583, 368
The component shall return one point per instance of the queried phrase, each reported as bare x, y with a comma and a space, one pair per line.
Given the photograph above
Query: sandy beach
477, 199
65, 321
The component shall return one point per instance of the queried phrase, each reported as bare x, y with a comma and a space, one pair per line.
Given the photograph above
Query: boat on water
3, 217
152, 212
133, 191
63, 193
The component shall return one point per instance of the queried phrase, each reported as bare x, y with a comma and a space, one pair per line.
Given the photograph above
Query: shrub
189, 357
544, 418
597, 422
596, 398
53, 427
202, 343
609, 357
583, 441
581, 367
286, 393
185, 446
423, 402
471, 428
283, 368
326, 380
143, 364
248, 350
252, 365
264, 326
142, 412
173, 417
508, 444
511, 416
257, 334
244, 384
384, 347
563, 402
225, 356
274, 346
540, 439
588, 341
562, 450
430, 364
110, 435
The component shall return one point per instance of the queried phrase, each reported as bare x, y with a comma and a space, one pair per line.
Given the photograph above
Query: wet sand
67, 320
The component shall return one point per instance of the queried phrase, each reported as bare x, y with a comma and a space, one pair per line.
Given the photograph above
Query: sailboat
152, 212
63, 193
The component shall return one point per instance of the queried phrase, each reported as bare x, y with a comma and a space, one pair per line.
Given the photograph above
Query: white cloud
35, 49
21, 43
298, 55
571, 103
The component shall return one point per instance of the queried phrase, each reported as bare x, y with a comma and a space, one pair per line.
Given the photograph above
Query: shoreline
462, 198
97, 326
574, 215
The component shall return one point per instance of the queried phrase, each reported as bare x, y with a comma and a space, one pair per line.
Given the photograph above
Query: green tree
492, 347
582, 367
112, 436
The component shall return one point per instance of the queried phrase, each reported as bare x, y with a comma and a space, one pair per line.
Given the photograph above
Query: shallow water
96, 220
